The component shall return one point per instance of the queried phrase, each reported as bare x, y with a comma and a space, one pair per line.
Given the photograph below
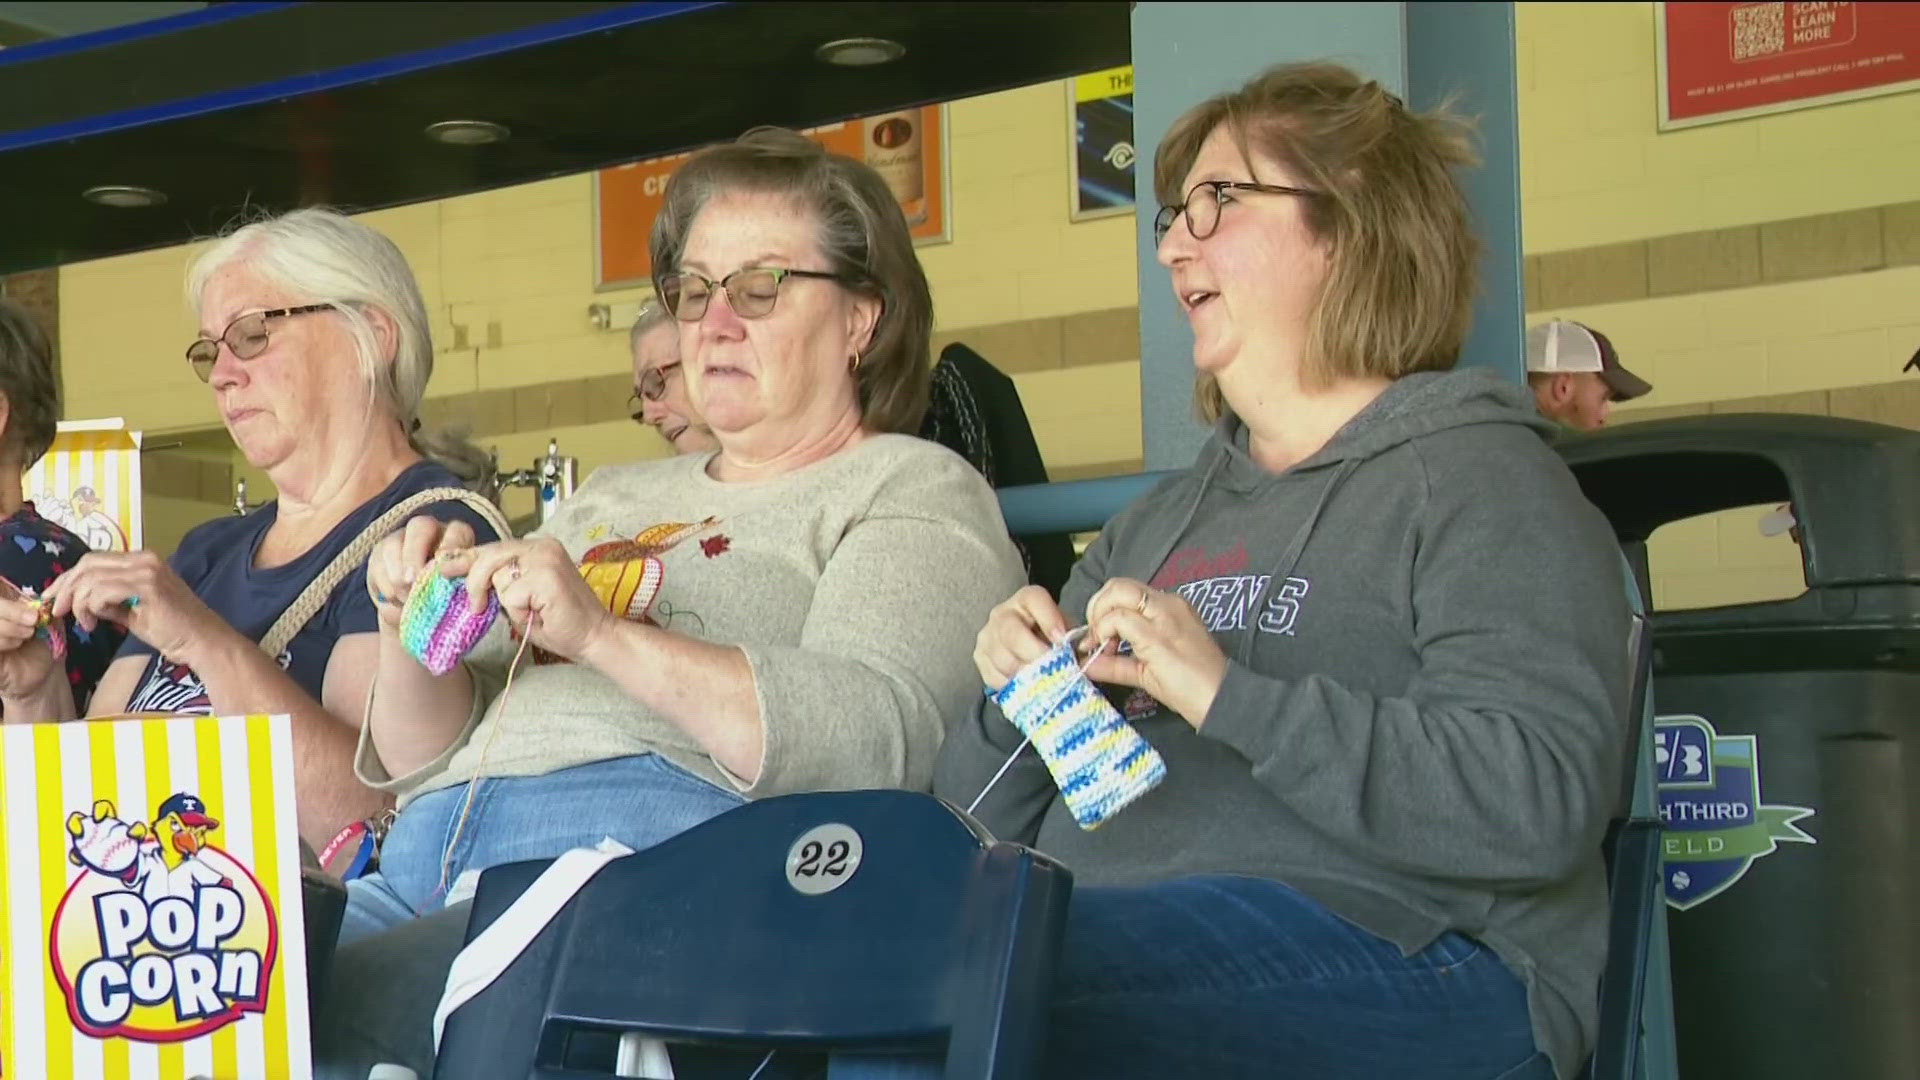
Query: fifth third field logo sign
1715, 824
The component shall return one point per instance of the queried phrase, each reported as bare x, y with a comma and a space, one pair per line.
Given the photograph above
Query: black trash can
1787, 744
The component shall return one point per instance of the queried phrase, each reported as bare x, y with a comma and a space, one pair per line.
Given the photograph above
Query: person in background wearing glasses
1376, 634
34, 551
659, 388
315, 344
788, 612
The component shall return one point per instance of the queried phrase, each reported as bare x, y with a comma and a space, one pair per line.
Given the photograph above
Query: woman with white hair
314, 340
659, 398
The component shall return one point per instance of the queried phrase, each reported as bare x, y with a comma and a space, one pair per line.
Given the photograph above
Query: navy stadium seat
933, 935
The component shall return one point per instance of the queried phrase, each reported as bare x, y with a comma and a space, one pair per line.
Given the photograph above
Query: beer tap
552, 479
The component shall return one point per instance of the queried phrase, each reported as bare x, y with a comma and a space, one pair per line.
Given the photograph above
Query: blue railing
1072, 506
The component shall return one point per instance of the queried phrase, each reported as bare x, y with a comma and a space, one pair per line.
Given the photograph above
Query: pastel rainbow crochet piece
1100, 763
438, 626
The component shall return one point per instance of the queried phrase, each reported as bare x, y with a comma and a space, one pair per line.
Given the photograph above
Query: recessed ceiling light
123, 195
467, 132
860, 52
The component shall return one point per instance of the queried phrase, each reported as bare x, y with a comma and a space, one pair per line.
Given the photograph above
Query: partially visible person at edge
1575, 374
33, 550
659, 396
789, 612
314, 340
1376, 850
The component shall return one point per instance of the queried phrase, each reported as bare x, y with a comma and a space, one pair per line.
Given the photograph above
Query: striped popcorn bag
89, 484
150, 918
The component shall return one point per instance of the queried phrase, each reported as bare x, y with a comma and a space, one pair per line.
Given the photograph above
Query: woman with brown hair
36, 550
1375, 633
789, 612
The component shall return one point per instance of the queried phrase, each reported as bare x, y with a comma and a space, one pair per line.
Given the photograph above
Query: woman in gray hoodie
1375, 632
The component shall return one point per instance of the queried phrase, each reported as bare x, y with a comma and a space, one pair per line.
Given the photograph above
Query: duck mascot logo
163, 936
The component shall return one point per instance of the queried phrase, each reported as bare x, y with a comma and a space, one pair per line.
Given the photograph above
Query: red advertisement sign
1727, 61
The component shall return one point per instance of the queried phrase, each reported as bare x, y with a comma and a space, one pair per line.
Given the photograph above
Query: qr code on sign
1759, 30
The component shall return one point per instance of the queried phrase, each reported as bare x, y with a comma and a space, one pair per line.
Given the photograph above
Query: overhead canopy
277, 105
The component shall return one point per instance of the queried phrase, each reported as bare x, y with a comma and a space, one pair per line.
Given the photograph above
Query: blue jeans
1228, 977
397, 938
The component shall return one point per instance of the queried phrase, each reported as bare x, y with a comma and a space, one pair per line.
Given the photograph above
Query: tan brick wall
507, 280
1740, 256
1595, 170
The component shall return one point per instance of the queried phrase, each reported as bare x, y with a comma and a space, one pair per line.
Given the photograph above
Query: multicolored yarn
1100, 763
438, 626
47, 628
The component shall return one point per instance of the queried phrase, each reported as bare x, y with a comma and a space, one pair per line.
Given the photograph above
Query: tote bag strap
314, 596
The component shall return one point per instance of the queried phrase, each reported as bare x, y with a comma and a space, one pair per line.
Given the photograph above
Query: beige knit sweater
854, 586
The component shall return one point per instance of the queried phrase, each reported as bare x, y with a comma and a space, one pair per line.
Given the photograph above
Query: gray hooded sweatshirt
1422, 723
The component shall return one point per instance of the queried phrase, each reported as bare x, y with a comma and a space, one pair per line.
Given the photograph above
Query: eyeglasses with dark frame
651, 387
1203, 213
246, 336
751, 290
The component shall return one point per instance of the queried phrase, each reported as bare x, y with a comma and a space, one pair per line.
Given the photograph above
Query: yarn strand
486, 747
1028, 741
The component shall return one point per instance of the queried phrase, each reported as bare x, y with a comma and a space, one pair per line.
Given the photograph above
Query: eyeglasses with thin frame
751, 290
651, 387
246, 336
1203, 210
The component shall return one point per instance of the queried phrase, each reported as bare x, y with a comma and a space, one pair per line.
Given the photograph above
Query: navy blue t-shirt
216, 561
34, 551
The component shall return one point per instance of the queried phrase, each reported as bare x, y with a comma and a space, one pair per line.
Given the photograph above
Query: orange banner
907, 148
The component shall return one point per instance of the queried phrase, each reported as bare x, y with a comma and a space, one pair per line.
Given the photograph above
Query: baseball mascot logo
163, 936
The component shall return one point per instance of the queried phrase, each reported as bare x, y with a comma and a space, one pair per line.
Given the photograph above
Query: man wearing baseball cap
1576, 375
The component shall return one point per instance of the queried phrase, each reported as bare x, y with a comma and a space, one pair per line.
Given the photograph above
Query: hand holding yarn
1099, 762
1026, 656
541, 593
439, 626
138, 590
412, 553
26, 656
1020, 630
1170, 654
49, 630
